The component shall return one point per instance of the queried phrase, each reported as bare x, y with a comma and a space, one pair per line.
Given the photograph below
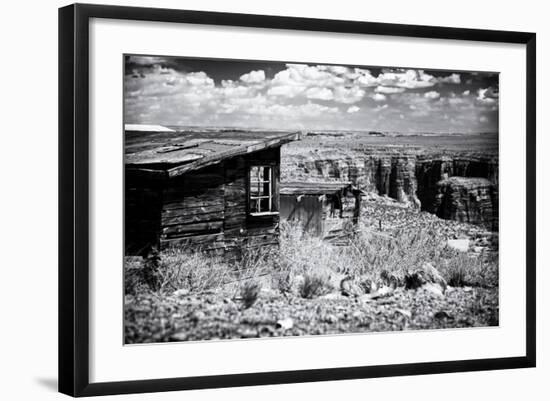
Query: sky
276, 95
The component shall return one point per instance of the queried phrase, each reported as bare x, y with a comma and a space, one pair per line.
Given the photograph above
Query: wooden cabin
321, 207
211, 191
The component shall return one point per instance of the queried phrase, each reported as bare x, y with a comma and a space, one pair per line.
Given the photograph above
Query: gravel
150, 318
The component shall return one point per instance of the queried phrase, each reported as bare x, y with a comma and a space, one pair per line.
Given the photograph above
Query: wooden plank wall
308, 212
235, 207
206, 209
312, 211
193, 210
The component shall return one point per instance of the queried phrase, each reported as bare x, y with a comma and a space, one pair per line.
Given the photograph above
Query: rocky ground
418, 300
181, 317
388, 216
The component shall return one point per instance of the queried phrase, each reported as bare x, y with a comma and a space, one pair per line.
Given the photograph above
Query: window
261, 194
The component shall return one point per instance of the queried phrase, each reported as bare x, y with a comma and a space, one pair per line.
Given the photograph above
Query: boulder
285, 324
426, 276
460, 245
356, 286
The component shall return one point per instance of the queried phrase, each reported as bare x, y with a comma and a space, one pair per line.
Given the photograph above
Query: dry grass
315, 284
309, 267
381, 259
176, 269
250, 290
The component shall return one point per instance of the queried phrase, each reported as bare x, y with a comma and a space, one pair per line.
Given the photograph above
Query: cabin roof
313, 188
171, 154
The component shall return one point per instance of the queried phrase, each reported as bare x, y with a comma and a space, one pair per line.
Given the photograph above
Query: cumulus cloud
319, 93
379, 97
286, 90
348, 95
408, 79
305, 75
292, 111
305, 96
432, 95
335, 69
363, 77
389, 89
451, 79
380, 108
199, 79
253, 77
487, 95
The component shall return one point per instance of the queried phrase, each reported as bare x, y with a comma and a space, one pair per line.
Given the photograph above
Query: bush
309, 267
466, 270
383, 259
133, 276
194, 271
250, 290
142, 274
314, 285
175, 269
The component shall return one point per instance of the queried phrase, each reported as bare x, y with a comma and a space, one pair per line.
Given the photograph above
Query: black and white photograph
268, 199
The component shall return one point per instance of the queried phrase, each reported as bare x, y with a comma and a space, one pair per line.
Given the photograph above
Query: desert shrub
256, 261
301, 252
457, 275
462, 269
386, 259
142, 274
381, 259
133, 276
150, 272
315, 284
174, 269
194, 271
306, 264
250, 290
283, 281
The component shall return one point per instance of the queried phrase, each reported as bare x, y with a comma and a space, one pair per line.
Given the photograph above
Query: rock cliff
383, 174
468, 200
422, 180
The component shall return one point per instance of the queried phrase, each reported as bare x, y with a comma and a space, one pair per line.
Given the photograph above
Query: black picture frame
74, 198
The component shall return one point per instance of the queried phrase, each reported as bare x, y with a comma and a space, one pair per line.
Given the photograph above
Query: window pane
266, 174
265, 188
264, 205
254, 189
254, 173
254, 205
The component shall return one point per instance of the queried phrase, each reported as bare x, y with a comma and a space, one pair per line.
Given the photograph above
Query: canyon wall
419, 180
465, 199
390, 175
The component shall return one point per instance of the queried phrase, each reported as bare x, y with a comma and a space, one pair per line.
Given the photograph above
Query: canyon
454, 179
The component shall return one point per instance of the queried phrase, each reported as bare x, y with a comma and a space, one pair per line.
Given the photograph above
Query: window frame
272, 209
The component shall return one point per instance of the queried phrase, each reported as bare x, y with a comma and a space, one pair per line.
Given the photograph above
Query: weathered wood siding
308, 211
193, 210
207, 209
317, 214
